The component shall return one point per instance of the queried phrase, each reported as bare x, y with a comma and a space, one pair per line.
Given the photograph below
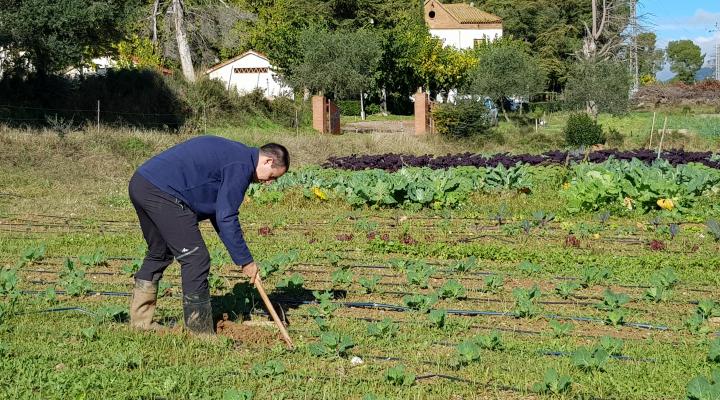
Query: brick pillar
422, 113
319, 111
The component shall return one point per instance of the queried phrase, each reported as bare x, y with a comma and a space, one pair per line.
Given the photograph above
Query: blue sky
683, 19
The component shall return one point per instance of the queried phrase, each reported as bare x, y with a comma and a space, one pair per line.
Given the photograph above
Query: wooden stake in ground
662, 136
273, 314
652, 129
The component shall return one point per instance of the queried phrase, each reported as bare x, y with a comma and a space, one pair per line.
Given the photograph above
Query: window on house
480, 42
250, 70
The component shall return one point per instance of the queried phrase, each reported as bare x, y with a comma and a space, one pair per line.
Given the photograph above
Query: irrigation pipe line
41, 227
474, 326
461, 275
464, 299
389, 308
348, 219
477, 290
61, 309
474, 313
553, 353
90, 293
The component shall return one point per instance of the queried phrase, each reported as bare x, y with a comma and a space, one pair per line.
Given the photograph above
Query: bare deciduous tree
604, 35
182, 42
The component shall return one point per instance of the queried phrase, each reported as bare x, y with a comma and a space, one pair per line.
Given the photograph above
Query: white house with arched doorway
247, 72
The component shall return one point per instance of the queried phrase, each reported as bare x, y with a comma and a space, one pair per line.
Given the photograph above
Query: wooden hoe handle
271, 310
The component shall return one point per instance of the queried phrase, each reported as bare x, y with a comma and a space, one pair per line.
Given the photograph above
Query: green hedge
349, 107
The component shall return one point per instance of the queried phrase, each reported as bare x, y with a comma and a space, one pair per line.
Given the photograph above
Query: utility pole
717, 60
717, 52
635, 62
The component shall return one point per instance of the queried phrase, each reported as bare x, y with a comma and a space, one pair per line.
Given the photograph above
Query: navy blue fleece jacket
210, 175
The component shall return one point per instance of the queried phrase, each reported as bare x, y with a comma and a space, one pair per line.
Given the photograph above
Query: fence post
662, 137
652, 129
98, 116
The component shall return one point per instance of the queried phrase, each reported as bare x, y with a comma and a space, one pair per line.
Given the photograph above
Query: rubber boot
198, 313
142, 305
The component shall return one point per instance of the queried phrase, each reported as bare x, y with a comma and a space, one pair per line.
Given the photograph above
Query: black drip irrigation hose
474, 313
61, 309
554, 353
614, 356
349, 219
479, 273
91, 293
390, 307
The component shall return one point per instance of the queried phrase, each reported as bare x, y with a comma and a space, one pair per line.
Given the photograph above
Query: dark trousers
171, 231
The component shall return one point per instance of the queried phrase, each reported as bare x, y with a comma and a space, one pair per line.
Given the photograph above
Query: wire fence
67, 119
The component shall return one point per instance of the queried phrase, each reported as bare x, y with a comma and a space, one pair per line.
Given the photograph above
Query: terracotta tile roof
467, 14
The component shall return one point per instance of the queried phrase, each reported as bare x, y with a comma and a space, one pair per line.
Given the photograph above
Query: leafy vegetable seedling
342, 277
384, 329
590, 360
491, 341
419, 274
657, 294
8, 282
331, 344
701, 388
437, 318
613, 301
615, 317
525, 302
73, 279
132, 268
420, 302
560, 329
714, 353
398, 376
528, 268
269, 368
293, 284
33, 254
452, 289
95, 259
612, 345
465, 265
325, 306
665, 278
566, 289
591, 276
369, 285
235, 394
493, 284
466, 353
553, 383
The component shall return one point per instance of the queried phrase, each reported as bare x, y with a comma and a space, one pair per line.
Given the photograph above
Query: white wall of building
465, 38
245, 82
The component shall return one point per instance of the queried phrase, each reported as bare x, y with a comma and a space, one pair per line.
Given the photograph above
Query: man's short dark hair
278, 153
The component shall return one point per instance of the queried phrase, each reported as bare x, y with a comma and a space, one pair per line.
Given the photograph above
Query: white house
461, 25
247, 72
99, 65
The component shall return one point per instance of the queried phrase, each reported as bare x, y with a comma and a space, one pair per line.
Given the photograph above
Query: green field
447, 294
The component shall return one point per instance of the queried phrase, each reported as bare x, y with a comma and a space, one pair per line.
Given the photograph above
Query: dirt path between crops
379, 126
